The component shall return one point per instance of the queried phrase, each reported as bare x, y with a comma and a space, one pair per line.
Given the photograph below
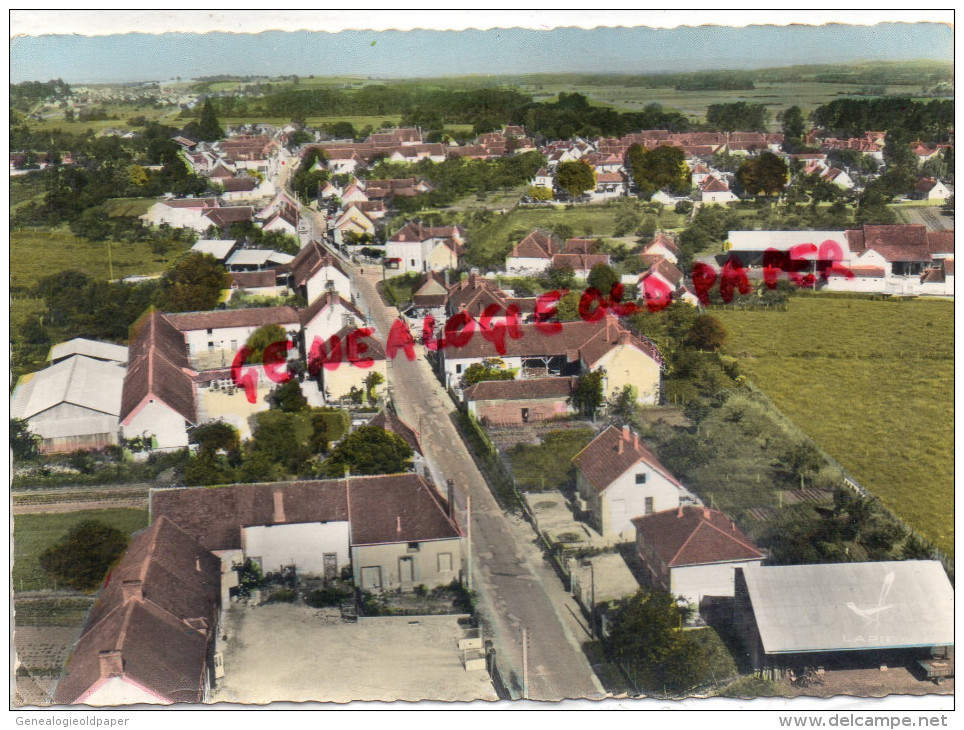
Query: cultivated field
34, 533
872, 383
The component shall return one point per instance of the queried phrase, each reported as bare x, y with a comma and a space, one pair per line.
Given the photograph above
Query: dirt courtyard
283, 652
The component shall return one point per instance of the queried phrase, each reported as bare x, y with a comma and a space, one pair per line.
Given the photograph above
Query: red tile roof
158, 368
253, 279
382, 509
694, 536
158, 611
578, 261
222, 217
612, 453
537, 244
529, 389
925, 185
665, 269
901, 242
581, 245
239, 184
663, 239
713, 185
329, 298
309, 261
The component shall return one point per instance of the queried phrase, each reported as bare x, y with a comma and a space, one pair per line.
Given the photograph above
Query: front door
406, 570
331, 565
371, 578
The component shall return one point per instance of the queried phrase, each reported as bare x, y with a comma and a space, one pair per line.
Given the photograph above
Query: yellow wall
339, 381
625, 365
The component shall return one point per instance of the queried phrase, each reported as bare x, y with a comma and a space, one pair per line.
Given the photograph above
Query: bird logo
872, 615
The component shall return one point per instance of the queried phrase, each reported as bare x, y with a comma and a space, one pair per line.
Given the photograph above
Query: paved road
515, 588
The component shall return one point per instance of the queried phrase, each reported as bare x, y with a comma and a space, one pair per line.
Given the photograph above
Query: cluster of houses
176, 373
872, 614
356, 207
153, 635
902, 259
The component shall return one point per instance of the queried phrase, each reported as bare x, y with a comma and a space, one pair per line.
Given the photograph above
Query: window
413, 262
234, 345
210, 331
649, 506
444, 562
413, 547
458, 369
210, 345
641, 478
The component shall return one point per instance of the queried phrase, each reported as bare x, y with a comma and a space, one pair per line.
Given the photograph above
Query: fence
487, 457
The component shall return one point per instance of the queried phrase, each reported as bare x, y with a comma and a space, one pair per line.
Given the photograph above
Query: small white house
619, 478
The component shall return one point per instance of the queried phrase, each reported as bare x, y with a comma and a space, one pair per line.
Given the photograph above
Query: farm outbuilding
859, 615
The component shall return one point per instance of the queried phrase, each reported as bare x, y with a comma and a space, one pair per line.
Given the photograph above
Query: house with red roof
533, 253
714, 190
693, 551
929, 188
619, 478
662, 245
422, 248
503, 403
180, 213
610, 185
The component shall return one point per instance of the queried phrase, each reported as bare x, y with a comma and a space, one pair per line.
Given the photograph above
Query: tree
793, 128
707, 333
658, 169
81, 559
24, 444
588, 395
560, 277
539, 192
622, 404
207, 129
602, 278
765, 174
216, 436
193, 284
477, 372
645, 637
369, 450
261, 339
372, 381
284, 438
288, 397
576, 177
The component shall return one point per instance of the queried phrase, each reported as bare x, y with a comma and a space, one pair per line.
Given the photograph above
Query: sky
127, 57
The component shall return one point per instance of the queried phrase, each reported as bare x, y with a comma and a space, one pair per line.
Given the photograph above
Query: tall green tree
81, 559
707, 333
369, 450
603, 278
765, 174
193, 284
207, 129
576, 177
793, 128
24, 444
663, 168
588, 395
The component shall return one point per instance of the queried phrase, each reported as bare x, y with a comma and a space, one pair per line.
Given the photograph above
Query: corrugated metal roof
851, 606
90, 348
79, 380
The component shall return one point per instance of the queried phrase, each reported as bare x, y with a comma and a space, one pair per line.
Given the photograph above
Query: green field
127, 207
586, 220
34, 533
872, 383
37, 253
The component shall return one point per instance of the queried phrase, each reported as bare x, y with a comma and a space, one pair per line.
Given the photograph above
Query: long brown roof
612, 453
520, 389
694, 536
158, 366
309, 261
329, 298
901, 242
382, 509
589, 341
157, 609
222, 217
223, 318
537, 244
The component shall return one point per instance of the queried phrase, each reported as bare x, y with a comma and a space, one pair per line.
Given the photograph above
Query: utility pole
525, 663
468, 541
592, 602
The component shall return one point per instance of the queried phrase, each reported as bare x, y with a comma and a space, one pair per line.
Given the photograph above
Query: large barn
844, 614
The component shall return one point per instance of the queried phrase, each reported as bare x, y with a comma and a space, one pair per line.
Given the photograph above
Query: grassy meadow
872, 383
34, 533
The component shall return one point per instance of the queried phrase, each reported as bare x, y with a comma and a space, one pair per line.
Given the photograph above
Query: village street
516, 589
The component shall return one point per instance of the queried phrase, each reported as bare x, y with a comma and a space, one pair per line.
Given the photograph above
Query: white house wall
155, 418
614, 508
693, 582
303, 545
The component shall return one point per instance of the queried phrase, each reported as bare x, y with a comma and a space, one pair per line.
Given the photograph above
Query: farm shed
844, 614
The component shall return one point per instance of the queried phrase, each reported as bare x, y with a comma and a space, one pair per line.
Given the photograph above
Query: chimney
706, 513
398, 524
197, 563
624, 337
619, 446
279, 507
635, 440
679, 512
132, 589
732, 526
111, 663
450, 494
626, 433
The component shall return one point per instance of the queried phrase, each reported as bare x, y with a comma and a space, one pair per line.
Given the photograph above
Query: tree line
929, 120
